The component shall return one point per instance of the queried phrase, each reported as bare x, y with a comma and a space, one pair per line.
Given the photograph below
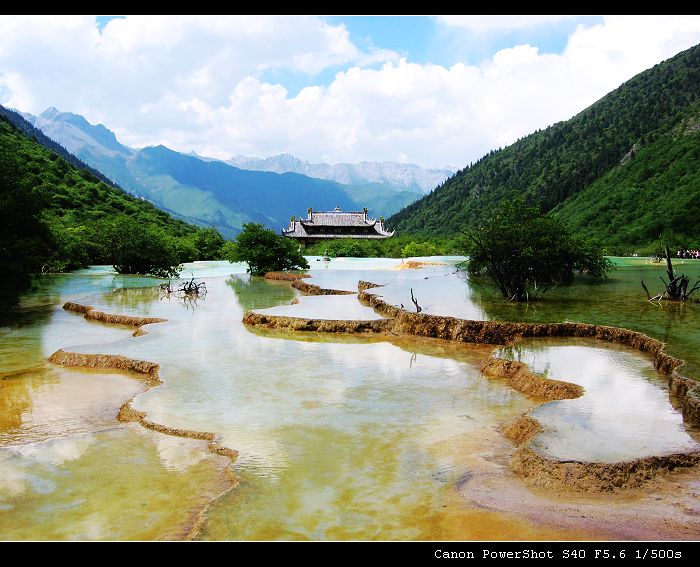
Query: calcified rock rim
522, 379
536, 469
285, 276
311, 289
151, 372
317, 325
581, 476
304, 287
91, 314
506, 333
521, 429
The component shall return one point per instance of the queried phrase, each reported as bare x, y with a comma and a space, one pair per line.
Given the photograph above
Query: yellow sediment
201, 517
521, 429
416, 265
91, 314
151, 372
9, 375
535, 468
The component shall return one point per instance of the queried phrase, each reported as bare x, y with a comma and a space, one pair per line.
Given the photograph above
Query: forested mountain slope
57, 216
605, 148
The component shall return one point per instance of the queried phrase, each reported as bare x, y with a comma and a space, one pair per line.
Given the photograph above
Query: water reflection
16, 396
106, 485
126, 300
619, 301
324, 423
624, 413
59, 402
54, 482
258, 293
339, 437
342, 307
177, 453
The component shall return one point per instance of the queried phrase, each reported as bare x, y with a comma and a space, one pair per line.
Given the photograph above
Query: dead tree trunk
673, 288
415, 302
677, 286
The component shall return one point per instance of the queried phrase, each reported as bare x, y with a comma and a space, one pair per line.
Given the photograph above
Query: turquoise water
338, 437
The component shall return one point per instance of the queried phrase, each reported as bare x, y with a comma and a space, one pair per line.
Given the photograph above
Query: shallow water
338, 437
624, 413
112, 484
344, 307
618, 301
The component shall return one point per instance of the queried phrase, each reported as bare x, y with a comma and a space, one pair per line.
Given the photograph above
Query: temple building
324, 225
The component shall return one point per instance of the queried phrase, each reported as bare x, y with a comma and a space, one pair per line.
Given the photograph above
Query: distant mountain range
209, 192
57, 214
25, 123
397, 176
626, 170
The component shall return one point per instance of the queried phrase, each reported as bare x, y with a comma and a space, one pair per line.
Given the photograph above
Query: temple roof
338, 218
336, 224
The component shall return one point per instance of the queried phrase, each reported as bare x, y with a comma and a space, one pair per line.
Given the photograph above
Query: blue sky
423, 39
434, 91
102, 21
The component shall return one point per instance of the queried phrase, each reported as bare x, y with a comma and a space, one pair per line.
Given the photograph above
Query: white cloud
199, 84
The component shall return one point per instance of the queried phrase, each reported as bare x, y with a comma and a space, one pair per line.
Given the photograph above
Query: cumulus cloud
201, 84
139, 74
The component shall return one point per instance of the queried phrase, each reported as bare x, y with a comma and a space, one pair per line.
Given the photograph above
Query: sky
435, 91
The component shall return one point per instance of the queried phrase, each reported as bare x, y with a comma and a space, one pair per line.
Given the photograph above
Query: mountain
396, 176
654, 193
25, 123
77, 134
209, 192
194, 188
630, 158
58, 216
71, 192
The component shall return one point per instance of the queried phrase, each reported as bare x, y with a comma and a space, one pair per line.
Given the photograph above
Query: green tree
58, 217
139, 248
400, 246
416, 249
209, 244
25, 241
264, 251
70, 247
525, 252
